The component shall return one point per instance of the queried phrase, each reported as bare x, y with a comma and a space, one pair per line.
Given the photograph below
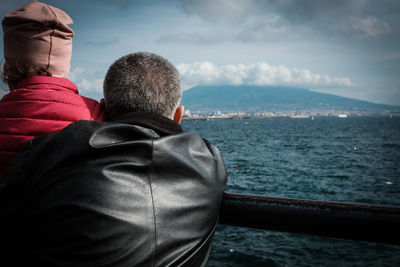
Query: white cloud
75, 74
88, 83
91, 86
206, 73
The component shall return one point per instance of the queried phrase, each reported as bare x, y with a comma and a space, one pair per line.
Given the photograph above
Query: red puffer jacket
38, 106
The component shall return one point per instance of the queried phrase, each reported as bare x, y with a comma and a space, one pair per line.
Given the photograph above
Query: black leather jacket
135, 192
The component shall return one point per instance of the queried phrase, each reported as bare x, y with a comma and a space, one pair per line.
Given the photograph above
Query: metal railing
332, 219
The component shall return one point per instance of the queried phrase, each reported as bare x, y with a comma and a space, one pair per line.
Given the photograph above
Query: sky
348, 48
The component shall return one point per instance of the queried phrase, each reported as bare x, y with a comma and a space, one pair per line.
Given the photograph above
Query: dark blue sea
354, 159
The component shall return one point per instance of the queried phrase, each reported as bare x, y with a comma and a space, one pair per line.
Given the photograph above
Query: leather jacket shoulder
114, 194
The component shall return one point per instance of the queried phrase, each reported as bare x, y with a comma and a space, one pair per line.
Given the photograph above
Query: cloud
317, 10
88, 83
292, 10
206, 73
358, 18
370, 27
254, 29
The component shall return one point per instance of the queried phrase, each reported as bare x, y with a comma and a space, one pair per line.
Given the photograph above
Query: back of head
37, 38
142, 82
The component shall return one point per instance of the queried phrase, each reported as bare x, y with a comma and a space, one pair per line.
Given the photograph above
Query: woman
37, 51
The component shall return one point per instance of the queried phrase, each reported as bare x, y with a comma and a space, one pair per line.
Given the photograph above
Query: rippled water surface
336, 159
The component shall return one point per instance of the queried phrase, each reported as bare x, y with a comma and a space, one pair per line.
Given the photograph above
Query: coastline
291, 115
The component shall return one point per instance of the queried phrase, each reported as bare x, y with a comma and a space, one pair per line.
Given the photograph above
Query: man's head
142, 82
37, 41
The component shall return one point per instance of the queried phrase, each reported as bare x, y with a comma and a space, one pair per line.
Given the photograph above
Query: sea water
354, 159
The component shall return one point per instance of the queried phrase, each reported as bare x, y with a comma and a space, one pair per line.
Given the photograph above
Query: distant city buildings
297, 114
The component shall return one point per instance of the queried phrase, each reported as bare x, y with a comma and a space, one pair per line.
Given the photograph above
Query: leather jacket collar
162, 125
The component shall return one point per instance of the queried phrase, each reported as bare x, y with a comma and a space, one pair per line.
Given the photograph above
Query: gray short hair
142, 82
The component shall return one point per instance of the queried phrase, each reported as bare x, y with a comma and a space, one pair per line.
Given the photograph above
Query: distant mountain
270, 98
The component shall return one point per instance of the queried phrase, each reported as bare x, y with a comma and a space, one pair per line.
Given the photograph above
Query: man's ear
178, 114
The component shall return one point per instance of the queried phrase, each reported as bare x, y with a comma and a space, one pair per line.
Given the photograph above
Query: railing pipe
332, 219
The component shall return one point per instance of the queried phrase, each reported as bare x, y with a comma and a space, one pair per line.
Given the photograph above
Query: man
135, 191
